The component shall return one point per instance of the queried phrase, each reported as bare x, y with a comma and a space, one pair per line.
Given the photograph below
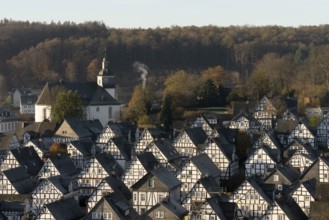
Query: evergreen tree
208, 94
166, 114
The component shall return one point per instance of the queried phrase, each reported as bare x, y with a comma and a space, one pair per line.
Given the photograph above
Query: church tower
105, 78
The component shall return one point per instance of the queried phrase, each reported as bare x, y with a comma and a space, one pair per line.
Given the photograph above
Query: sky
167, 13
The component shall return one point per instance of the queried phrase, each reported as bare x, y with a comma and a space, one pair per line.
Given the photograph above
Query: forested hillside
270, 59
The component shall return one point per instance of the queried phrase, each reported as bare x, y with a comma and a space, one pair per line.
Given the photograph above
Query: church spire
105, 71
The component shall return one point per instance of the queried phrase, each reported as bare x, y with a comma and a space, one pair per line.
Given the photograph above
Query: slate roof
28, 158
291, 208
20, 180
28, 99
265, 190
227, 149
167, 149
14, 206
205, 165
124, 146
109, 164
118, 186
162, 174
248, 116
60, 183
287, 172
210, 184
84, 147
36, 129
64, 165
224, 210
148, 160
117, 204
65, 209
172, 206
197, 135
83, 128
89, 92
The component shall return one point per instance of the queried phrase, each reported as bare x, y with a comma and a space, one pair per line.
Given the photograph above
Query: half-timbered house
252, 198
147, 136
303, 194
284, 208
203, 123
260, 160
16, 181
112, 206
266, 113
120, 149
13, 210
223, 155
300, 155
283, 129
303, 133
319, 170
205, 188
64, 209
52, 189
157, 185
80, 152
166, 209
215, 209
107, 186
25, 157
41, 146
269, 139
191, 142
166, 154
287, 114
193, 170
245, 122
322, 130
99, 166
140, 165
34, 131
58, 165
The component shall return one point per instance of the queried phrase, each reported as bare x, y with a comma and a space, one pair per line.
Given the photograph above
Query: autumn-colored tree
216, 74
139, 105
92, 70
67, 104
57, 148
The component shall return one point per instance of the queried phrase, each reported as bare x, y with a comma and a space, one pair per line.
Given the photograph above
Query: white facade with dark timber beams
99, 97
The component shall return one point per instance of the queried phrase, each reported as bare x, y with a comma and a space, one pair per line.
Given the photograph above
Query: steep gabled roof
289, 173
109, 164
124, 146
65, 209
224, 210
37, 129
60, 183
205, 165
118, 185
290, 208
28, 158
167, 178
84, 147
167, 149
148, 160
227, 149
20, 180
171, 206
265, 190
197, 135
285, 126
64, 164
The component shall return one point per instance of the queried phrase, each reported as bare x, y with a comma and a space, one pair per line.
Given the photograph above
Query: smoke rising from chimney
142, 69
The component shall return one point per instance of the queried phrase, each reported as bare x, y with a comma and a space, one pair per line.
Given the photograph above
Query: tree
139, 105
166, 114
216, 74
208, 94
57, 148
67, 104
242, 144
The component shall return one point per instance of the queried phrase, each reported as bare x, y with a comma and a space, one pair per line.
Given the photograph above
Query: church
99, 97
